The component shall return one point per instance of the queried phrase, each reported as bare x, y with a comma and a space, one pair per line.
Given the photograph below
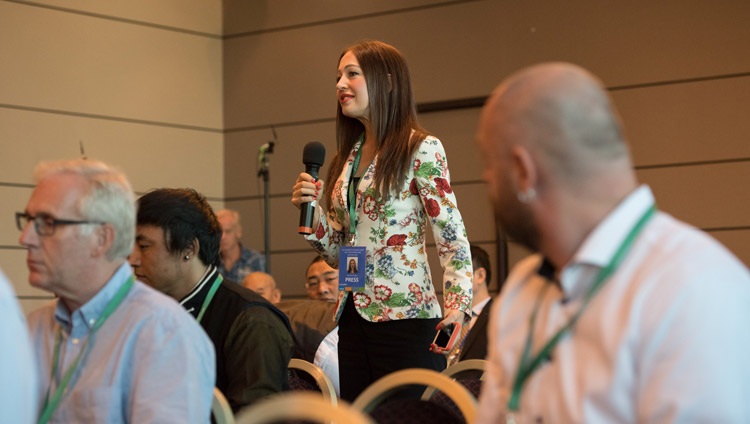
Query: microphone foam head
314, 153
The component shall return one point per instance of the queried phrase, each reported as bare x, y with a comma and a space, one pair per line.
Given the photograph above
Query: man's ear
480, 274
192, 249
523, 172
104, 238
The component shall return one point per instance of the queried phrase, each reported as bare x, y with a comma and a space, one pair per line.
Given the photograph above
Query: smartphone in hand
446, 338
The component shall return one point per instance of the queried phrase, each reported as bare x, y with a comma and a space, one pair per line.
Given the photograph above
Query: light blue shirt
149, 362
18, 377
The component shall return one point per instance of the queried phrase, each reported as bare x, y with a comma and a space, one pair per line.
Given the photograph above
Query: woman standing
389, 180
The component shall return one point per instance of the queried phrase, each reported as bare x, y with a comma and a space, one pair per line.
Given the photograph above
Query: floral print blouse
398, 280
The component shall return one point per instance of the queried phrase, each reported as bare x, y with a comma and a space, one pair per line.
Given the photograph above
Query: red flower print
382, 293
320, 232
417, 164
433, 208
361, 300
413, 187
396, 240
451, 300
443, 186
414, 288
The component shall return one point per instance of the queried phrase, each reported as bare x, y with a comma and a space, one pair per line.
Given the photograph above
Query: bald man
651, 313
263, 284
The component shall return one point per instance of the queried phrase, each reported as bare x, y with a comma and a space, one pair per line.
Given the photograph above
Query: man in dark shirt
176, 252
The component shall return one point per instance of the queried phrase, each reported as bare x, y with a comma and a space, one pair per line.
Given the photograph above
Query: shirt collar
603, 242
193, 301
91, 310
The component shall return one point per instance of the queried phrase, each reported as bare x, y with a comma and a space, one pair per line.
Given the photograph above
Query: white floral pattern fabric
398, 279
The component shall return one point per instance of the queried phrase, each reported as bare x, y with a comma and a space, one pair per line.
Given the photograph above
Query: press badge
352, 268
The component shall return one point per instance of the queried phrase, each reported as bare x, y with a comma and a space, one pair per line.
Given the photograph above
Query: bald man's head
563, 115
550, 138
264, 285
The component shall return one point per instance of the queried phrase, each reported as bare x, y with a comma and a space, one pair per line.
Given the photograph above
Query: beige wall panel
291, 276
28, 305
193, 15
151, 156
13, 262
262, 15
464, 50
679, 123
707, 196
737, 241
285, 163
81, 64
14, 200
457, 129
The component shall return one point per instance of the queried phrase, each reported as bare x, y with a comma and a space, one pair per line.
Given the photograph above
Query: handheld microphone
313, 157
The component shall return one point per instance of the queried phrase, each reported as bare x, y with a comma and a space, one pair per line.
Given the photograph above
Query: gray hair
108, 198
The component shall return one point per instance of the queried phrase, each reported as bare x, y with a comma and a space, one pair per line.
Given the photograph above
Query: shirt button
75, 341
92, 321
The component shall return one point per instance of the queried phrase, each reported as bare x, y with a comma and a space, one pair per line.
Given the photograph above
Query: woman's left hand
454, 315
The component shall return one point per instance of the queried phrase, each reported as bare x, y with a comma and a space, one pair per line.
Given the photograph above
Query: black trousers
371, 350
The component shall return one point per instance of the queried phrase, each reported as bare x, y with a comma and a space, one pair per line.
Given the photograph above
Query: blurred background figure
624, 313
263, 284
473, 342
237, 261
19, 396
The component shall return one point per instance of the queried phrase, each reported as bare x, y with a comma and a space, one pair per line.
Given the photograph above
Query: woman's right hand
306, 189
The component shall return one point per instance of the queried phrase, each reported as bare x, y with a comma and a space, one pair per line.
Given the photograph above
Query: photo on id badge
352, 260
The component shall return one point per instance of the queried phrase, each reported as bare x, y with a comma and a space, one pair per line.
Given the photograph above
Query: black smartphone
445, 338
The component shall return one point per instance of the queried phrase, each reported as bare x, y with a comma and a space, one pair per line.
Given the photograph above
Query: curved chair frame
321, 379
299, 405
456, 369
381, 389
220, 408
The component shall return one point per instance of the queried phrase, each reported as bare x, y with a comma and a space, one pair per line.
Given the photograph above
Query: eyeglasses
45, 225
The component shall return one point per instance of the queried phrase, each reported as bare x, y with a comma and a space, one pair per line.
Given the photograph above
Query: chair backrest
469, 373
220, 409
379, 391
324, 384
307, 406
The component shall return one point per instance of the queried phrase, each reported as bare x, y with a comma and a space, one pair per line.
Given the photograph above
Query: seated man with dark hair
177, 249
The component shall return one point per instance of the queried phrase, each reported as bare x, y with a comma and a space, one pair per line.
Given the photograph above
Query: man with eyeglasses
109, 348
322, 281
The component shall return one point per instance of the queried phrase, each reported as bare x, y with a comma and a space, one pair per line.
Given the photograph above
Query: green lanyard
528, 364
353, 218
51, 404
209, 296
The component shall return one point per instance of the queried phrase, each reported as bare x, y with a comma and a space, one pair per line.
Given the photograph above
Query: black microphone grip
313, 157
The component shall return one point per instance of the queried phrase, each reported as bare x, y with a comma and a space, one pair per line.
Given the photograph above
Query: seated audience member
109, 349
322, 281
629, 315
237, 261
19, 391
473, 344
177, 247
263, 284
322, 284
312, 319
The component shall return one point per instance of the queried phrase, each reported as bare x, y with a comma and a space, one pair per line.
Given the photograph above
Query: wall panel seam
116, 19
112, 118
348, 18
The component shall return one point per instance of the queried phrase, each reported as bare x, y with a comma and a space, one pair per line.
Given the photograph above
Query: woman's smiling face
351, 88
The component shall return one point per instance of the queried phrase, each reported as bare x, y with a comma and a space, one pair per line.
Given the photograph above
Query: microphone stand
263, 172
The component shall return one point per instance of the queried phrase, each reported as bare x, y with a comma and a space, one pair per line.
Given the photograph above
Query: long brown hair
393, 116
